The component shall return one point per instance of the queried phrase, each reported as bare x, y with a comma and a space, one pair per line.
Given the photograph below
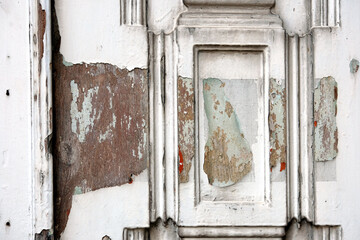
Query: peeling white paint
163, 17
337, 198
108, 211
82, 121
106, 40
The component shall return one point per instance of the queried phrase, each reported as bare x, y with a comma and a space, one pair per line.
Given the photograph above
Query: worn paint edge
41, 117
325, 112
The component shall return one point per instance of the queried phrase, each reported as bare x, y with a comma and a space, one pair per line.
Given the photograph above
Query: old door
194, 119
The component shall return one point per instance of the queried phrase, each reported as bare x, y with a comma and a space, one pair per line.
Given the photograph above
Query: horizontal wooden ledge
231, 231
247, 3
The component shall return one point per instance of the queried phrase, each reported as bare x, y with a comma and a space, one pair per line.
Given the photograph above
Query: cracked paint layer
186, 112
101, 128
325, 110
277, 123
228, 156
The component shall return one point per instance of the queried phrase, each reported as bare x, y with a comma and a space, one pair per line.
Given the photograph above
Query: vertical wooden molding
325, 13
163, 133
157, 177
132, 12
41, 115
300, 179
171, 142
135, 234
306, 82
293, 123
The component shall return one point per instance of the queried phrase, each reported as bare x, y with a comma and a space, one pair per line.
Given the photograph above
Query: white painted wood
41, 80
325, 13
16, 195
158, 161
293, 144
222, 232
209, 31
333, 51
306, 81
294, 15
162, 17
132, 12
106, 40
164, 163
107, 211
171, 149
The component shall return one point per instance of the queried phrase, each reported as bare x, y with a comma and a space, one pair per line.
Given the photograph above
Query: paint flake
186, 125
92, 149
228, 156
325, 110
277, 123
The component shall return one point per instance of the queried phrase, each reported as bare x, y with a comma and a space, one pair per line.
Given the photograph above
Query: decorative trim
231, 3
163, 130
293, 123
199, 135
135, 234
157, 178
300, 174
306, 230
306, 81
171, 127
325, 13
132, 12
41, 115
225, 13
222, 232
327, 233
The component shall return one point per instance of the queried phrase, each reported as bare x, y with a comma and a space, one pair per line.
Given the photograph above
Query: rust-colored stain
186, 125
283, 166
101, 128
41, 32
325, 111
277, 122
181, 162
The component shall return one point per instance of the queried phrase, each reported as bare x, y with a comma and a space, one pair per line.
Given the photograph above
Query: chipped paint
106, 41
90, 143
277, 123
228, 156
45, 234
354, 65
325, 110
108, 211
81, 121
186, 124
101, 133
41, 33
